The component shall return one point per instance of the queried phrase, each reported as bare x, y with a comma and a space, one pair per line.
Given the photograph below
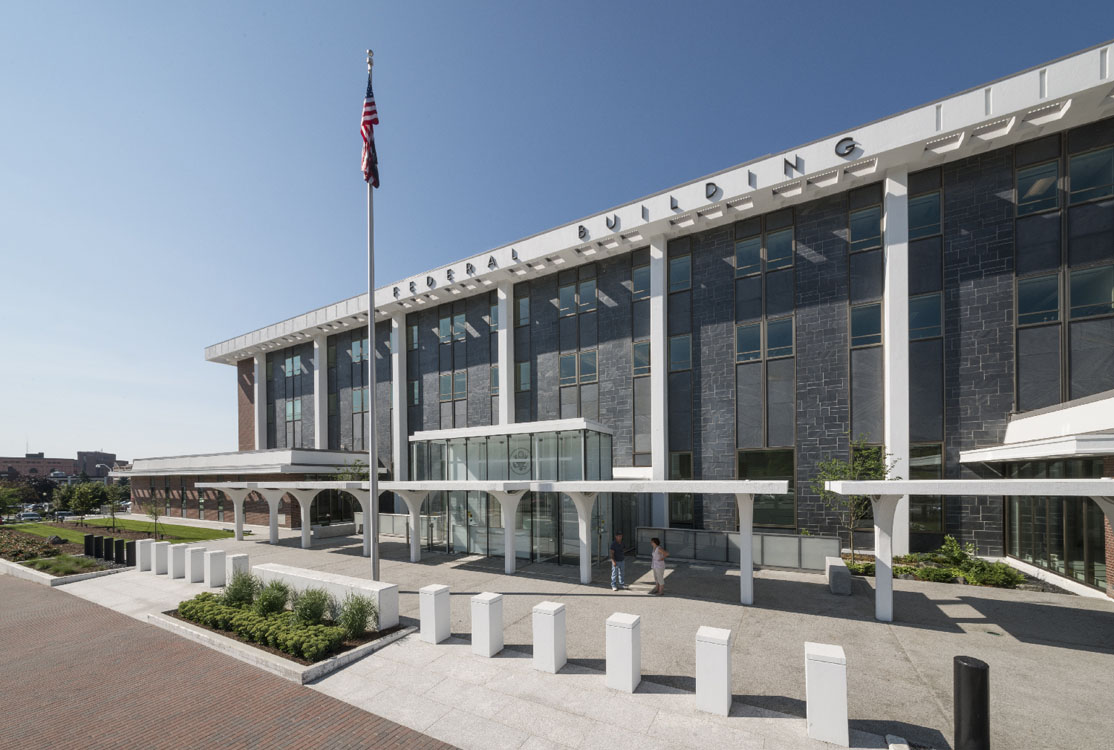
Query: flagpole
373, 463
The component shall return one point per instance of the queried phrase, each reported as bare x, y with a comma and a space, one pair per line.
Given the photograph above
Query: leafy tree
354, 472
153, 514
87, 497
63, 497
116, 494
9, 501
867, 462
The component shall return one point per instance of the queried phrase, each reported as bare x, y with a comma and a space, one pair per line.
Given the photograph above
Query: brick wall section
615, 375
823, 383
146, 490
713, 397
245, 403
978, 330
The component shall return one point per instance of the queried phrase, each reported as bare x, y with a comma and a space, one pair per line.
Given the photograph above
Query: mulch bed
373, 635
68, 548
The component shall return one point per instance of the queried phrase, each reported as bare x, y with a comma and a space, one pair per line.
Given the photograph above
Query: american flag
370, 161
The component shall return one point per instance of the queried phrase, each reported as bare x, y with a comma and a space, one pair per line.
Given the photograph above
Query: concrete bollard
237, 564
624, 652
433, 610
177, 561
161, 558
143, 553
549, 637
839, 577
215, 568
826, 693
487, 624
713, 670
195, 564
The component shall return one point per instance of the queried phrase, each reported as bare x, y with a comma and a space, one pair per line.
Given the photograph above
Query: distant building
94, 464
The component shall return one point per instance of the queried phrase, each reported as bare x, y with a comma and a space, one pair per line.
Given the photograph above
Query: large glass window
779, 338
771, 510
522, 376
640, 283
924, 316
1038, 299
680, 353
640, 351
680, 504
926, 514
567, 369
588, 372
445, 329
411, 341
1091, 175
779, 249
566, 300
413, 391
459, 327
866, 228
748, 342
460, 385
680, 273
446, 386
1036, 188
748, 256
493, 380
586, 295
522, 311
1092, 291
924, 215
866, 325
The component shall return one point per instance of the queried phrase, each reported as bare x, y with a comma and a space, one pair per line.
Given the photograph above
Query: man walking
617, 556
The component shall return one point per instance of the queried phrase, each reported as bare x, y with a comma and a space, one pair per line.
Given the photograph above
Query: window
567, 367
680, 353
1091, 175
779, 338
294, 410
292, 365
926, 514
460, 384
770, 510
748, 342
522, 376
1036, 188
446, 386
413, 392
587, 295
680, 505
1038, 299
640, 283
866, 228
779, 249
924, 216
493, 317
1092, 291
411, 337
445, 329
640, 351
459, 327
493, 381
866, 325
680, 273
925, 316
333, 408
748, 256
566, 300
522, 311
588, 372
359, 400
332, 360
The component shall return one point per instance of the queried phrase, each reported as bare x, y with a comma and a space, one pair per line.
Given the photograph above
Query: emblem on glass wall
520, 461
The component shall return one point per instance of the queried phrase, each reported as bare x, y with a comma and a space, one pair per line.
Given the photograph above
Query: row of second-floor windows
578, 368
577, 298
1090, 176
1090, 293
779, 340
453, 386
452, 328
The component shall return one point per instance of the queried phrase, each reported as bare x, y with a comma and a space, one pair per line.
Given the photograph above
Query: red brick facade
180, 495
245, 402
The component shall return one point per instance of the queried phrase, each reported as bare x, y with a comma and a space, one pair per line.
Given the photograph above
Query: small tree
867, 462
9, 501
87, 497
153, 514
63, 497
354, 472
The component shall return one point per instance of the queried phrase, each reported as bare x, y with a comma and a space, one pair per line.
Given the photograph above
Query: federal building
939, 282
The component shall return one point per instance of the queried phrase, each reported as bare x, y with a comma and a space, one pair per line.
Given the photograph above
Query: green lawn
170, 532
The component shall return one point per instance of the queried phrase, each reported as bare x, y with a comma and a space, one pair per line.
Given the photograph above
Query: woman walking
657, 565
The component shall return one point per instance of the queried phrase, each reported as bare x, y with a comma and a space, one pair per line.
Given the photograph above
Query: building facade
918, 284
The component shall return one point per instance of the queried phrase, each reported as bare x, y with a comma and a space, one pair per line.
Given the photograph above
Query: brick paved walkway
74, 674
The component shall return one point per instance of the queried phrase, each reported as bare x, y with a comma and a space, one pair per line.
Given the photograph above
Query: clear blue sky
175, 174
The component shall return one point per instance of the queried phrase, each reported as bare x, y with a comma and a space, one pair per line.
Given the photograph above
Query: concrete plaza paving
1050, 654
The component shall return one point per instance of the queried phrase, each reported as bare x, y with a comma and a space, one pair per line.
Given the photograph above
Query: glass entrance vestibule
545, 526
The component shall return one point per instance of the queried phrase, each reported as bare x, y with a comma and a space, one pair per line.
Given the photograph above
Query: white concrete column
713, 670
885, 508
143, 554
659, 378
504, 295
364, 498
320, 392
273, 498
623, 651
260, 401
508, 507
400, 443
305, 504
237, 497
895, 337
826, 693
433, 613
746, 548
584, 501
215, 568
1106, 505
413, 500
548, 621
487, 624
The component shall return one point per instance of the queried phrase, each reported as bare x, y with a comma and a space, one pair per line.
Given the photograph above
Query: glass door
458, 522
477, 523
545, 526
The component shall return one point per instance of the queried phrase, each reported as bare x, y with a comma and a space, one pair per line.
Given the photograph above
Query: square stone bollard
713, 670
195, 564
624, 652
160, 558
433, 609
109, 548
143, 550
215, 568
839, 577
237, 564
487, 624
98, 547
826, 693
121, 548
549, 637
177, 561
88, 545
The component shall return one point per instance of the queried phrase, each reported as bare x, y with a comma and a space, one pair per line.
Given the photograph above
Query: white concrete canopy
885, 494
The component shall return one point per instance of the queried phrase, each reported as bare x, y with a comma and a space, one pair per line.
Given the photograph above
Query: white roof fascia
244, 462
1058, 95
953, 487
1091, 415
727, 487
1072, 446
515, 428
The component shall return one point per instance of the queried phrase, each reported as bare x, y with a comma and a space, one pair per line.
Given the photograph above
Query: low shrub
272, 598
982, 573
241, 590
905, 570
355, 615
18, 547
63, 565
311, 606
280, 630
937, 575
861, 568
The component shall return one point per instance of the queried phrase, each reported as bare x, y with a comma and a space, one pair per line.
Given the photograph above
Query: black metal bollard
120, 548
129, 554
98, 547
88, 545
109, 550
971, 686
